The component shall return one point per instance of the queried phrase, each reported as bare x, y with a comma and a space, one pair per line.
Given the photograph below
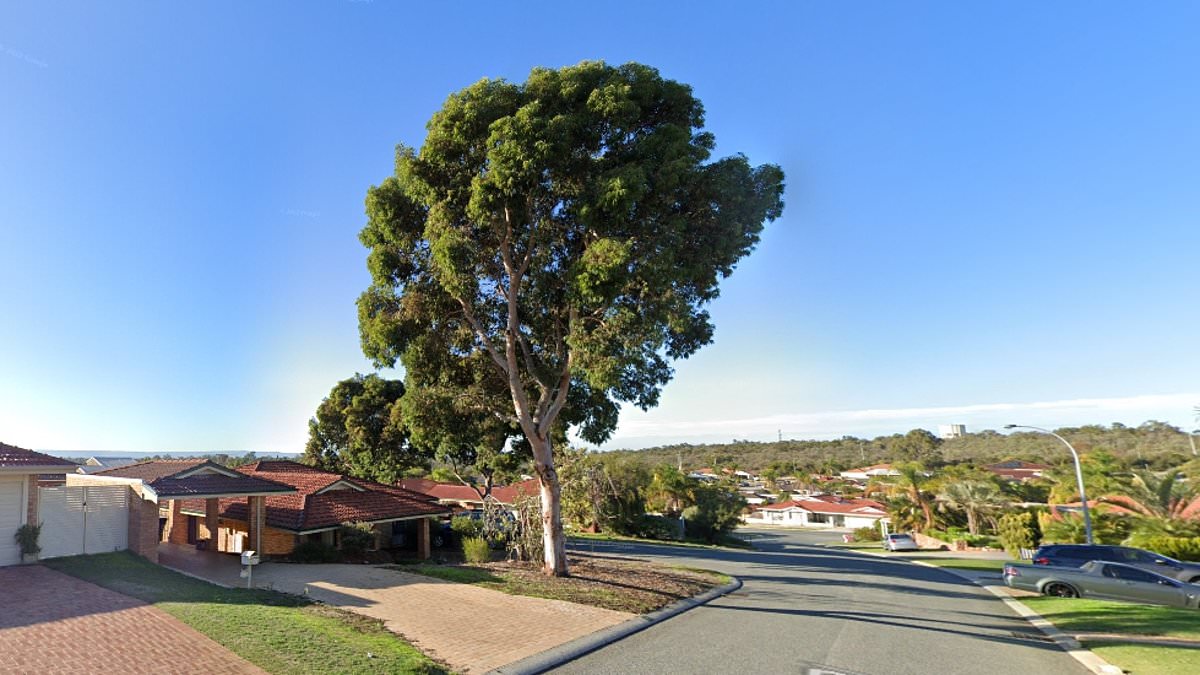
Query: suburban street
808, 609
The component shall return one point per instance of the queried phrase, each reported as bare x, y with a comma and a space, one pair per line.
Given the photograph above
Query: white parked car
900, 542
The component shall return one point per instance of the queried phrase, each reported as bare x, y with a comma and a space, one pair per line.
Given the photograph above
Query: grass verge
979, 564
726, 541
1149, 659
279, 633
1074, 616
623, 586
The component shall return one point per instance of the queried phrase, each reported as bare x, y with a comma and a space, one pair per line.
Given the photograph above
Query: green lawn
1073, 615
277, 632
1150, 660
963, 563
1096, 616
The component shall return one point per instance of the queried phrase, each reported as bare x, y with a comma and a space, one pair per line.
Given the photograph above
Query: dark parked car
1076, 555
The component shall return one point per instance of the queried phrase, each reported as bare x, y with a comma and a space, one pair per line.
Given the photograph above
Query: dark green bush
356, 539
466, 526
1017, 531
659, 527
315, 552
716, 512
868, 533
1180, 548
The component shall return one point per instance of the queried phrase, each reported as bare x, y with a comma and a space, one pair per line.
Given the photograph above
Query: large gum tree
549, 250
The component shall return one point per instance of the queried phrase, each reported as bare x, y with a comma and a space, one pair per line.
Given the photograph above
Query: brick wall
177, 522
31, 500
143, 527
275, 542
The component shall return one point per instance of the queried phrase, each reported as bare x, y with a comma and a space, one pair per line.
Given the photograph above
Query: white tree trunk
554, 542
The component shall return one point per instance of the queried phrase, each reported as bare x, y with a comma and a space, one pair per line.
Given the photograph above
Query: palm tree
909, 484
1166, 498
977, 499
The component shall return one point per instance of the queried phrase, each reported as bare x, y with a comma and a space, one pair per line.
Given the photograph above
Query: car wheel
1194, 580
1061, 591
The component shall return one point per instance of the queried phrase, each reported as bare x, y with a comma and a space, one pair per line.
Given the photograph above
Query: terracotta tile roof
12, 457
456, 492
162, 475
1018, 465
862, 507
324, 499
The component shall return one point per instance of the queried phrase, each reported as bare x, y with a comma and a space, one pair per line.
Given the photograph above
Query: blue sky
991, 210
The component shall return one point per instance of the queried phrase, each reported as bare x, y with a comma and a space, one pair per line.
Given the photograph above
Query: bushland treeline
1152, 445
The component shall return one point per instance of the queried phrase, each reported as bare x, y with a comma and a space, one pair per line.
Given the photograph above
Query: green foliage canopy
359, 430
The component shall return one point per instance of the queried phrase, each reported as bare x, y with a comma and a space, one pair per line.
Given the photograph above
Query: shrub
524, 539
476, 550
717, 511
867, 533
466, 526
1017, 531
356, 539
659, 527
1180, 548
315, 552
27, 538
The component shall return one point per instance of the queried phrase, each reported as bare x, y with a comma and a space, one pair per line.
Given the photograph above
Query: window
1132, 574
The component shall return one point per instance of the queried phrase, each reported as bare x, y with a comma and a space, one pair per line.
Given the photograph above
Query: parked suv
1075, 555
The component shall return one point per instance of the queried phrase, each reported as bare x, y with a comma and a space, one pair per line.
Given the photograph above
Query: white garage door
12, 516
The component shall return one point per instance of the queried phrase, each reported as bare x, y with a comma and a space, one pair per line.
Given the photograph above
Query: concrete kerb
1068, 644
568, 651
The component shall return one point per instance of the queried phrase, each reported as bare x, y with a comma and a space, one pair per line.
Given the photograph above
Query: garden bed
625, 586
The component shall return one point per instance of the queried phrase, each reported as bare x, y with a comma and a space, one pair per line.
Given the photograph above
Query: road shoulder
1070, 645
569, 651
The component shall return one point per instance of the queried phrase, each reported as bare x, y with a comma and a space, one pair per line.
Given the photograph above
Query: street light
1087, 516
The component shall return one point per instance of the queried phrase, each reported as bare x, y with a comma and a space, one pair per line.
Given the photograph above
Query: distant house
821, 511
96, 464
1017, 470
869, 472
465, 497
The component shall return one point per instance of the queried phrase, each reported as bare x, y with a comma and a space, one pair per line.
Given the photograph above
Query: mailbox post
249, 560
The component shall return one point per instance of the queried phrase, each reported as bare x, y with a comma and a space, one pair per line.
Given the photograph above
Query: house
317, 504
462, 496
159, 489
1017, 470
821, 511
19, 470
869, 472
95, 464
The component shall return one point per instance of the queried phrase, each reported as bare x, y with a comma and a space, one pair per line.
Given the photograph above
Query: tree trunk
554, 542
972, 524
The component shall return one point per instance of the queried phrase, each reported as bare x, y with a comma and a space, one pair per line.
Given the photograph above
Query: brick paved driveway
472, 629
53, 623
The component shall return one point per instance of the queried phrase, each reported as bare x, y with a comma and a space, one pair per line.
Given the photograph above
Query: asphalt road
820, 611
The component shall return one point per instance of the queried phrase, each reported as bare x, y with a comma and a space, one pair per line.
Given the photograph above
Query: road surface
820, 611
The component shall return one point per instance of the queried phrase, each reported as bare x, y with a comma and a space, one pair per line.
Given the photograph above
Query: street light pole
1087, 516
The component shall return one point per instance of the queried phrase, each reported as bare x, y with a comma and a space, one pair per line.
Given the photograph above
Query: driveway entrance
55, 623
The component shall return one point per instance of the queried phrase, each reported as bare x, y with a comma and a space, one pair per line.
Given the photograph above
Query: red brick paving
53, 623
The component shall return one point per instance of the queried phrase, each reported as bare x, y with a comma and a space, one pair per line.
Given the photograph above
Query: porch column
177, 526
256, 506
212, 512
423, 551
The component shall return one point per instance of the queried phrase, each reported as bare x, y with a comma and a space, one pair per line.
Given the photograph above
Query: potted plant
27, 538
